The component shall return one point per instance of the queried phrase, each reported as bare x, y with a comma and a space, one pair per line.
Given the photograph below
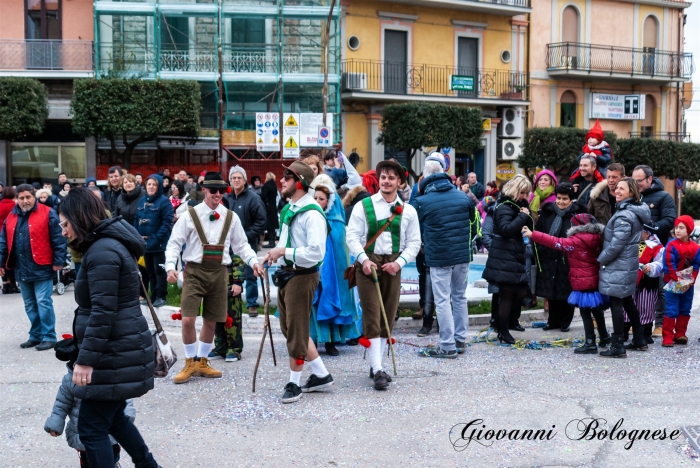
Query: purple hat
548, 173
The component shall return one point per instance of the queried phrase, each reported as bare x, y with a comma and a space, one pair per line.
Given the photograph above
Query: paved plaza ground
222, 423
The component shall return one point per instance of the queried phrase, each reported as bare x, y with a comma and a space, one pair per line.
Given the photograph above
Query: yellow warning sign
291, 143
291, 122
274, 140
260, 140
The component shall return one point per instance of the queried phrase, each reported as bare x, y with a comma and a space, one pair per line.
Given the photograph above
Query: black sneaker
371, 375
292, 393
461, 347
380, 380
425, 331
315, 383
441, 353
45, 345
29, 344
160, 302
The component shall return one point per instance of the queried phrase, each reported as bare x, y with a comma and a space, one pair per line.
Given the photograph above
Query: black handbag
67, 349
281, 277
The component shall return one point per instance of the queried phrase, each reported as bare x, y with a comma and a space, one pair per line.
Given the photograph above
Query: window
43, 19
569, 25
43, 162
567, 117
248, 31
174, 33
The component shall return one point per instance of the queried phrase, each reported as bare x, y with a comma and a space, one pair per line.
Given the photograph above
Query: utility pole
325, 65
220, 86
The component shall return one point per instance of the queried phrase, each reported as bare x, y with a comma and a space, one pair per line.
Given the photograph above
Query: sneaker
315, 383
213, 356
461, 347
253, 312
371, 375
232, 356
29, 344
380, 380
44, 345
292, 393
441, 353
160, 302
205, 370
425, 331
190, 370
657, 333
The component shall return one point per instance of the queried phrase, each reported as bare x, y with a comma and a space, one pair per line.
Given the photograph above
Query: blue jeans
251, 288
39, 307
679, 304
97, 420
451, 283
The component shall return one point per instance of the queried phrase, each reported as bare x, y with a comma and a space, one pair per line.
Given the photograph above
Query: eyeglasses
63, 224
639, 180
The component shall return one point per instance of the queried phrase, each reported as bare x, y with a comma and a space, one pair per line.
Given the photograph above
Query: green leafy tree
412, 126
556, 148
133, 111
666, 158
23, 107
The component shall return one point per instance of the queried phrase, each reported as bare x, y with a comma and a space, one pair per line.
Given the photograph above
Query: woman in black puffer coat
128, 201
506, 263
115, 349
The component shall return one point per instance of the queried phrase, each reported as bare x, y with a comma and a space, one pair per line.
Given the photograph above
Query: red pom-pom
228, 189
216, 215
66, 336
229, 321
399, 209
364, 342
176, 315
393, 340
300, 361
299, 186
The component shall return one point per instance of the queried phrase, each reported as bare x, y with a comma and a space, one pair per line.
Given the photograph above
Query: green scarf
540, 196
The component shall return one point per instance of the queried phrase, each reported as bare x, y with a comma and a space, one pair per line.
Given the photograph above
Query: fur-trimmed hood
599, 189
589, 228
352, 194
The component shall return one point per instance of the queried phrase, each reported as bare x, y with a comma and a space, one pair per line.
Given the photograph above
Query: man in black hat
209, 231
299, 253
383, 233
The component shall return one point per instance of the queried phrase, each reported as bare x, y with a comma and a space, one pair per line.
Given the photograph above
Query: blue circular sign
323, 133
275, 132
260, 131
267, 124
679, 183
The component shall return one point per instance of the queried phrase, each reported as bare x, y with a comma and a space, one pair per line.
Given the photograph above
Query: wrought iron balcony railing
45, 55
575, 57
401, 78
671, 136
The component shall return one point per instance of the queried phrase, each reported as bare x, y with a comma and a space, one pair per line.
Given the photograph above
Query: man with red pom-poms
383, 233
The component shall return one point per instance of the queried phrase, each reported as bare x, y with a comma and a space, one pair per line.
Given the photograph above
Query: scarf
540, 196
556, 224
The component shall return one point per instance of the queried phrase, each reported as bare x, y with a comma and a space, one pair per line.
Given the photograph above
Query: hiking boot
425, 331
292, 393
380, 380
232, 356
190, 370
441, 353
461, 347
205, 370
417, 315
160, 302
588, 347
315, 383
44, 345
657, 333
29, 344
253, 312
371, 375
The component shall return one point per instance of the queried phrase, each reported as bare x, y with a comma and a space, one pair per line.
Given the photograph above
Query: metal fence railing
671, 136
35, 54
401, 78
600, 58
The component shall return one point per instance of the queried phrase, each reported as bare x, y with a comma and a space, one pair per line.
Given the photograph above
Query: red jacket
39, 235
6, 206
679, 256
582, 248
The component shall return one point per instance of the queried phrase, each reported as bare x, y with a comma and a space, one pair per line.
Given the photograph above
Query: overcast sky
692, 45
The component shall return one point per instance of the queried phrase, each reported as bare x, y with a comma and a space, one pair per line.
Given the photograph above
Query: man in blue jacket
154, 221
445, 215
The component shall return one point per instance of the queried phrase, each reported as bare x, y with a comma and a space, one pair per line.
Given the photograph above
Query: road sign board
291, 135
324, 134
461, 83
264, 131
308, 129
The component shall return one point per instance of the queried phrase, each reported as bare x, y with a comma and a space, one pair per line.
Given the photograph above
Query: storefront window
73, 161
43, 163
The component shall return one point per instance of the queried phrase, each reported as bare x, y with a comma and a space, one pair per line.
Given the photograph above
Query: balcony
493, 7
46, 58
599, 62
386, 81
670, 136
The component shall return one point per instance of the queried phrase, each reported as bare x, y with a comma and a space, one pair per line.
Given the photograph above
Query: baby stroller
64, 277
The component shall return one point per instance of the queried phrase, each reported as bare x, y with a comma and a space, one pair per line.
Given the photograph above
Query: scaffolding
272, 54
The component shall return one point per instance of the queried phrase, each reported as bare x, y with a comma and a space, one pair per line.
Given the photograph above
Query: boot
604, 341
638, 341
681, 328
647, 333
588, 347
205, 370
668, 331
617, 349
190, 370
626, 331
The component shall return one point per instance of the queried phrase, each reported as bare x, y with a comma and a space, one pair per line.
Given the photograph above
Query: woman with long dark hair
115, 350
619, 262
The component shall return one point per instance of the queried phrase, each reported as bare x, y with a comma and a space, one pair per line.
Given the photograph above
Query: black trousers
618, 314
157, 277
97, 420
510, 296
588, 328
420, 266
561, 313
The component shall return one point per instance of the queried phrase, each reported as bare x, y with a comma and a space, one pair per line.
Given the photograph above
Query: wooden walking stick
266, 328
386, 322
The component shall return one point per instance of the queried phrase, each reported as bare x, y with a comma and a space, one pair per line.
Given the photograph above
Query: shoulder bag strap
380, 231
197, 226
156, 322
227, 227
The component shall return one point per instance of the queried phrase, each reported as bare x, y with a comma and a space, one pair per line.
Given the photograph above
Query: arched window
567, 110
651, 33
569, 25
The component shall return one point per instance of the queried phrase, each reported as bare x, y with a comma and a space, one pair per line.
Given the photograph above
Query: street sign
505, 171
324, 134
679, 183
618, 106
291, 135
486, 124
461, 83
266, 140
308, 129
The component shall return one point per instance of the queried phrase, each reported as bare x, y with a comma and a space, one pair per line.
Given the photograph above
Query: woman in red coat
7, 203
582, 247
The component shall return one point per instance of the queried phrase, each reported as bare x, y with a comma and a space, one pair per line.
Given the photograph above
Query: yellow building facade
407, 51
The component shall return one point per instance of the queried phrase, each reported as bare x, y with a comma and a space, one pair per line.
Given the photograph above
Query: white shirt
356, 235
308, 236
185, 233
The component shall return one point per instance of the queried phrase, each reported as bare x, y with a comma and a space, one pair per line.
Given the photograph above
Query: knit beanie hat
687, 220
583, 218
